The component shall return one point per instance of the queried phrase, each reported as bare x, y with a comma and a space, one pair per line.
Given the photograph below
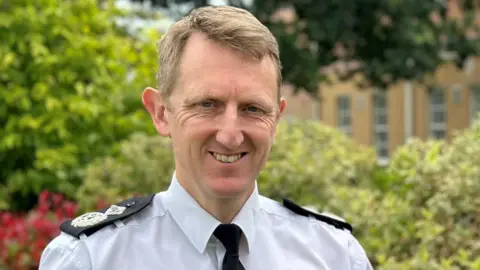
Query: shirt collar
198, 225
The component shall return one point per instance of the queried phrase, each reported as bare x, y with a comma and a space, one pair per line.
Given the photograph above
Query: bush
441, 183
142, 165
24, 236
309, 159
67, 78
427, 216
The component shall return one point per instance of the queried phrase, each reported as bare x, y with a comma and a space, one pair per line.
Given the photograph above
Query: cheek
266, 127
194, 131
262, 137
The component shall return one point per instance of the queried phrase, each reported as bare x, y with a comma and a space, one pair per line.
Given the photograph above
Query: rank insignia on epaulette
88, 219
90, 223
115, 210
93, 218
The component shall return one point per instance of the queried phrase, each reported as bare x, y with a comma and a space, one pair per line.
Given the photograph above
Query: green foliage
428, 217
142, 165
443, 180
70, 83
308, 157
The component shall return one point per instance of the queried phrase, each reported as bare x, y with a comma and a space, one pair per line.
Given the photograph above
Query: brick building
386, 119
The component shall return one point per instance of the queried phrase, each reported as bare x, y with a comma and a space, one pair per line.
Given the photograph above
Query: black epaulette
305, 212
90, 223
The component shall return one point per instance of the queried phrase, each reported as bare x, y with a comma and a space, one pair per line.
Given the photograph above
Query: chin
230, 186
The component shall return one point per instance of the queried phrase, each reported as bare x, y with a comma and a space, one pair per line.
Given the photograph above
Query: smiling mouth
227, 158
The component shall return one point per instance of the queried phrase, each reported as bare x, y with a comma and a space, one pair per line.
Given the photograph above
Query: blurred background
382, 125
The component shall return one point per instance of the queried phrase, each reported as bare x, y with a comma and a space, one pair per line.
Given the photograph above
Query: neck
224, 209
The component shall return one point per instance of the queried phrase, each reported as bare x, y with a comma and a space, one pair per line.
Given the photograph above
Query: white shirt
174, 232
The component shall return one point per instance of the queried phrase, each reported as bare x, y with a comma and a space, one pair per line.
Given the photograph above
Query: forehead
208, 66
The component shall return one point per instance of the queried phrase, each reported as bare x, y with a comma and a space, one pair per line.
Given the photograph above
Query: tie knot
229, 235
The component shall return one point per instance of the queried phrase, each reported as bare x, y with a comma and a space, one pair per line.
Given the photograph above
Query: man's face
222, 118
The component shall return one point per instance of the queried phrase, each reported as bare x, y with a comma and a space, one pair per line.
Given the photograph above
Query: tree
70, 87
384, 41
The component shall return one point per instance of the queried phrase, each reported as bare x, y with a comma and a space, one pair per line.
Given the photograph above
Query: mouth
227, 158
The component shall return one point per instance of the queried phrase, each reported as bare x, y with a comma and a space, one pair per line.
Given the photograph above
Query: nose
229, 134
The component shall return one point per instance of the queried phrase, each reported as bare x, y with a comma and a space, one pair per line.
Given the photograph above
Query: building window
457, 94
438, 114
380, 114
475, 106
344, 119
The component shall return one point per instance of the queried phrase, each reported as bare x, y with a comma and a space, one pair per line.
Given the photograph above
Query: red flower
70, 209
23, 237
57, 199
43, 198
6, 219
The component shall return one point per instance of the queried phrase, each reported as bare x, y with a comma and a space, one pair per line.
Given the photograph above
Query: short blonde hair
230, 26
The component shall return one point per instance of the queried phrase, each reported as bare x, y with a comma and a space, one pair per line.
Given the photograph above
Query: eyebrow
197, 97
197, 94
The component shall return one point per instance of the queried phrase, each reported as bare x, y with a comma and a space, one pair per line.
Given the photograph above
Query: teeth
227, 159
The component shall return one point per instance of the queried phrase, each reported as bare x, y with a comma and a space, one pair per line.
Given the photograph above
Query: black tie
230, 235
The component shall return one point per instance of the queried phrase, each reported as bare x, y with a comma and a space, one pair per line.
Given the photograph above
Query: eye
253, 109
207, 104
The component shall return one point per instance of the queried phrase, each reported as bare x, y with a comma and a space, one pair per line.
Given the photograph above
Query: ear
157, 108
281, 111
283, 104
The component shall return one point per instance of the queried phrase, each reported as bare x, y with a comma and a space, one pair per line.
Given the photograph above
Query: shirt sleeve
358, 257
65, 252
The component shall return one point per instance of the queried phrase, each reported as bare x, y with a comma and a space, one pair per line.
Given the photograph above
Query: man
219, 100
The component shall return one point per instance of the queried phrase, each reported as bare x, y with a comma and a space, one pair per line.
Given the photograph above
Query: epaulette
90, 223
339, 224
